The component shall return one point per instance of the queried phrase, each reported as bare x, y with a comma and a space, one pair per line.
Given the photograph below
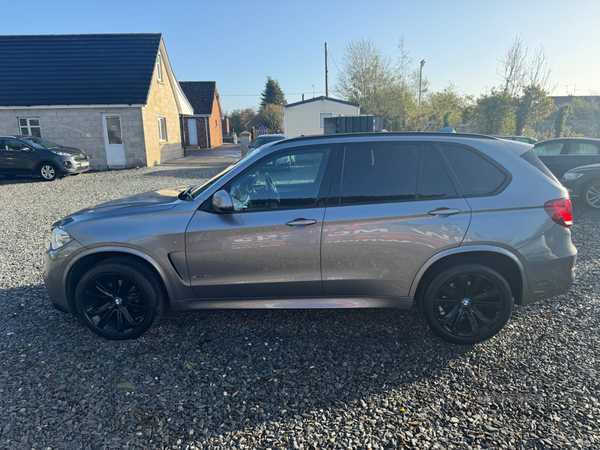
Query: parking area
281, 379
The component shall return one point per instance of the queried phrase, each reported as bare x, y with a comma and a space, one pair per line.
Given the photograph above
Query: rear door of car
391, 207
579, 153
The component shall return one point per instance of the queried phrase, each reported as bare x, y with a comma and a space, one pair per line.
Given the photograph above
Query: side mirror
221, 201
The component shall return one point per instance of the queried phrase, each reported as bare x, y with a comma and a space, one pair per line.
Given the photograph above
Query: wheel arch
501, 260
87, 259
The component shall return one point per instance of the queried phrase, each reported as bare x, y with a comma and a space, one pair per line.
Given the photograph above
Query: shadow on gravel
19, 180
228, 369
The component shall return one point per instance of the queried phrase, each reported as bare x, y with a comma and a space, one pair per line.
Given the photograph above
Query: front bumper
573, 186
71, 165
56, 263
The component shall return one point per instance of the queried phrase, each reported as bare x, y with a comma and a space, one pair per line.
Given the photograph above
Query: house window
159, 75
162, 129
215, 123
30, 126
322, 116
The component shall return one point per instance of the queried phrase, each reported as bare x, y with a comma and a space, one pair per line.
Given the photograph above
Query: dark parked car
265, 139
374, 220
584, 182
525, 139
563, 154
21, 155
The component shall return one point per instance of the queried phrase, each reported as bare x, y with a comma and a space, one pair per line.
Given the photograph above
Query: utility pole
420, 77
326, 74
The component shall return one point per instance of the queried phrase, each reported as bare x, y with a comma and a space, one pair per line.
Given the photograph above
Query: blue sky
239, 43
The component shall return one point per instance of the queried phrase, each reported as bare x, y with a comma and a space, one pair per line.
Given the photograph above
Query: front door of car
387, 217
550, 153
269, 246
15, 156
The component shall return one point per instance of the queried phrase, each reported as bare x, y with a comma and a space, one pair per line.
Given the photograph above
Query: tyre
48, 172
119, 299
467, 303
591, 194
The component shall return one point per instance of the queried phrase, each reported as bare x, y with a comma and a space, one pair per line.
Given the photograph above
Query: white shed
305, 118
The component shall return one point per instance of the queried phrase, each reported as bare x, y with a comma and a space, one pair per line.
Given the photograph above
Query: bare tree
539, 71
366, 74
517, 72
513, 67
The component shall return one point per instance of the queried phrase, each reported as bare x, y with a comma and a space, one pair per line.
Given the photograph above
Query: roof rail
436, 134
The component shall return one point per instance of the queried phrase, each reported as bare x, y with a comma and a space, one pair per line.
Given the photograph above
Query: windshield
262, 140
197, 190
40, 144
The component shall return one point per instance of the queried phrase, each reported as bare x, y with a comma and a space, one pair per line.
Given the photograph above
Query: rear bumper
550, 265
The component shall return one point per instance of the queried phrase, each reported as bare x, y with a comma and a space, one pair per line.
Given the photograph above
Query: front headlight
573, 175
59, 238
59, 153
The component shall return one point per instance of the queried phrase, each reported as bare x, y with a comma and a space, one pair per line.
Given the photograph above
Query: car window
435, 182
375, 173
285, 181
3, 144
40, 144
476, 175
582, 148
549, 149
13, 144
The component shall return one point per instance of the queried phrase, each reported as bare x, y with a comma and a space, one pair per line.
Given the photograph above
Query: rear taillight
560, 211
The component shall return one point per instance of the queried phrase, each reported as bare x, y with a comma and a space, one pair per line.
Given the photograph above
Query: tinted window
582, 148
532, 159
549, 149
435, 182
294, 177
380, 173
14, 145
476, 175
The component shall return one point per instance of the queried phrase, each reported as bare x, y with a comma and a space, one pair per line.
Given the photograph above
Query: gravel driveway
281, 379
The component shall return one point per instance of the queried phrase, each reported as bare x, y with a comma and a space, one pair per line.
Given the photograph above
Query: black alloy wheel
591, 194
119, 299
468, 303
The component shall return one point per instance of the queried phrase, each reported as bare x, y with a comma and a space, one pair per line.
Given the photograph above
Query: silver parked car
463, 226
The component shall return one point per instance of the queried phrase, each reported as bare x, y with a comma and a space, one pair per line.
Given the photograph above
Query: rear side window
582, 148
377, 173
476, 175
435, 182
532, 159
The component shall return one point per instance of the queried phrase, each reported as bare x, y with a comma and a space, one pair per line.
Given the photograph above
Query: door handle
443, 212
300, 222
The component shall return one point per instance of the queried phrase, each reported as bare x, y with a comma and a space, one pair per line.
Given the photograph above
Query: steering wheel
271, 187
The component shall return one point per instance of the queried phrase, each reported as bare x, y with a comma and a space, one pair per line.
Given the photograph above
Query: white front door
192, 133
113, 139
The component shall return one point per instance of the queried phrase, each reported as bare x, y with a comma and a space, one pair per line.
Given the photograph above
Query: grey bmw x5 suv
463, 226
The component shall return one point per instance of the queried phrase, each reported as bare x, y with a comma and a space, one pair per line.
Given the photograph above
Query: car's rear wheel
119, 299
467, 303
48, 172
591, 194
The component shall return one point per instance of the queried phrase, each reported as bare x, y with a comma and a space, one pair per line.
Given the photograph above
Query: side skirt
402, 303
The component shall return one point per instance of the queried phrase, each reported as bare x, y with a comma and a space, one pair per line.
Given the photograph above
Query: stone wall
161, 102
82, 128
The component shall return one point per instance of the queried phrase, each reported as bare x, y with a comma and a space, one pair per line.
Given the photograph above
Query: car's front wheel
48, 172
467, 303
591, 194
119, 299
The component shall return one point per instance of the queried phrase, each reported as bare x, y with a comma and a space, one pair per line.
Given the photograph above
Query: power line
336, 66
